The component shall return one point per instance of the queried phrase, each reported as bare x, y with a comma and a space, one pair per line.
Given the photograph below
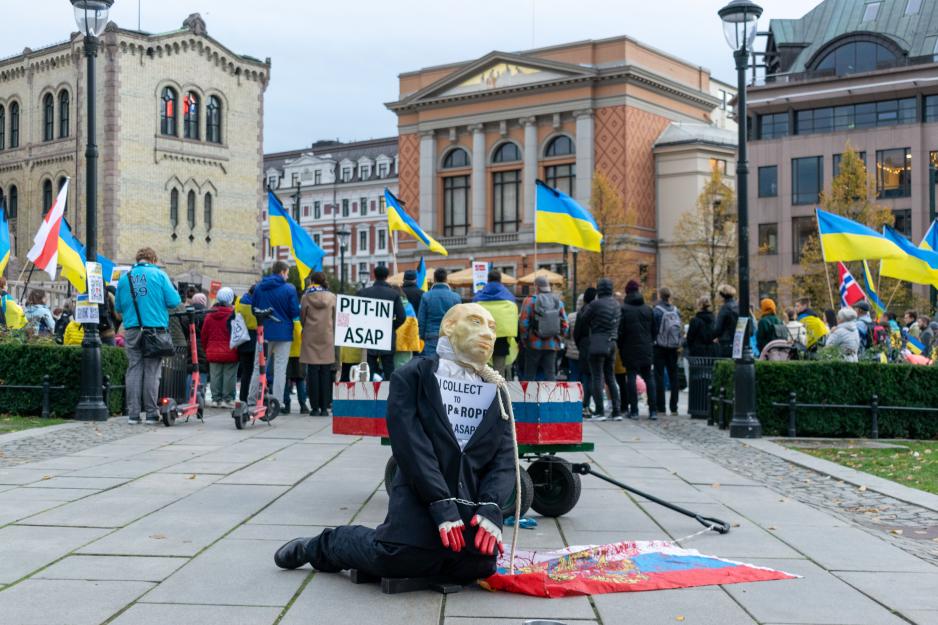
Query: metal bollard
710, 401
45, 396
874, 409
792, 414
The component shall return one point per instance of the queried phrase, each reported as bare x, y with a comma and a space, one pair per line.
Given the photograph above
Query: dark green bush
26, 363
842, 383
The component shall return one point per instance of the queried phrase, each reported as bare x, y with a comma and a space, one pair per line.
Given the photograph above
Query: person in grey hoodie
845, 335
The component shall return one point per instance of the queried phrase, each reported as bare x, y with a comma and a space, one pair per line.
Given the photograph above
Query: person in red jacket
222, 360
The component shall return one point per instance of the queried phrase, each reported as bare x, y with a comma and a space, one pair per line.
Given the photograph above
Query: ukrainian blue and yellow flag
559, 219
913, 344
930, 240
399, 220
4, 238
285, 232
843, 239
871, 293
914, 265
72, 259
422, 274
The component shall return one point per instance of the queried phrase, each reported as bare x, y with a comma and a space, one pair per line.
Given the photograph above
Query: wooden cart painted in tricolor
548, 421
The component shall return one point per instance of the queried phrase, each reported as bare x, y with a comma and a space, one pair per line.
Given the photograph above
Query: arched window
46, 196
213, 120
456, 158
855, 57
190, 116
190, 210
62, 180
168, 112
63, 114
507, 153
174, 209
13, 200
48, 118
207, 212
15, 125
560, 146
3, 127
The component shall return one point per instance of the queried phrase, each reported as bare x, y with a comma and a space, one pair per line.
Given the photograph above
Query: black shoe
304, 409
285, 410
292, 555
652, 417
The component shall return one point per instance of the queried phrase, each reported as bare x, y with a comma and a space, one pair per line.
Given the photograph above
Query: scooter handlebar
266, 314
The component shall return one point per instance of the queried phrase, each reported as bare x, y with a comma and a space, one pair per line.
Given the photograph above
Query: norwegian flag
850, 291
45, 251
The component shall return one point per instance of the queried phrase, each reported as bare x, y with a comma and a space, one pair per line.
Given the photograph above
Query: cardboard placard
85, 311
480, 276
739, 337
363, 322
214, 288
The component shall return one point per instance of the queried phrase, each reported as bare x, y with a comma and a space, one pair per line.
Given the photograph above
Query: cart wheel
527, 493
556, 486
390, 470
273, 409
169, 417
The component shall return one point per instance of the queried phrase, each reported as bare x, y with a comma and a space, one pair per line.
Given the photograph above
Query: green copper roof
915, 34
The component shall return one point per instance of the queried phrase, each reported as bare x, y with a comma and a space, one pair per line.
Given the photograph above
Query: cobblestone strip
907, 526
64, 442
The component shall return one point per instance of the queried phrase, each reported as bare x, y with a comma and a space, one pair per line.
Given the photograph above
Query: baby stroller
780, 349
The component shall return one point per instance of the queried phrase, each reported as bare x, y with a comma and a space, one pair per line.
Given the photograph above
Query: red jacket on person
216, 335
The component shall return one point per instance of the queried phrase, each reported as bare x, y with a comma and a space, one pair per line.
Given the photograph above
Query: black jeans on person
543, 359
355, 547
246, 367
666, 360
645, 372
387, 364
319, 387
602, 372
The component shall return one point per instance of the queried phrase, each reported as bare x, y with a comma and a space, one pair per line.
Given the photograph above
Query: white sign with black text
739, 337
85, 311
95, 282
465, 404
363, 322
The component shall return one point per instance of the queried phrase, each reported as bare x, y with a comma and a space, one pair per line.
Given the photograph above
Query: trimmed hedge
26, 363
842, 383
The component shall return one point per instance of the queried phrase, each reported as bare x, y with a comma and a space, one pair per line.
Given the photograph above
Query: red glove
488, 537
451, 535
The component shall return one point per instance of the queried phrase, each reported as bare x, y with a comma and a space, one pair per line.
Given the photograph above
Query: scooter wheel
240, 419
169, 417
273, 409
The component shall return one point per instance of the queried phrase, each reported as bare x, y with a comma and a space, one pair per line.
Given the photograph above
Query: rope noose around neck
491, 376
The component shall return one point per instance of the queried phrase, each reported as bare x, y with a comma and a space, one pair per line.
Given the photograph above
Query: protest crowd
618, 345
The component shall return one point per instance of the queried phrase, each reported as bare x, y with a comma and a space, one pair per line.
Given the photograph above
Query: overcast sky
335, 64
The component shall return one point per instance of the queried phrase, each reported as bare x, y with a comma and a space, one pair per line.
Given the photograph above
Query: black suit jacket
432, 469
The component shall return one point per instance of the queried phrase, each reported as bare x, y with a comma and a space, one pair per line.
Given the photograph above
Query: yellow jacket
13, 312
245, 309
74, 333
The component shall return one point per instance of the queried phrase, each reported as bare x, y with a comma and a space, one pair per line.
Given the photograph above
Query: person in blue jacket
156, 296
433, 306
280, 296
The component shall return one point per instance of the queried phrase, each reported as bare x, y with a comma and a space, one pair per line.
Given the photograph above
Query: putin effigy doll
453, 444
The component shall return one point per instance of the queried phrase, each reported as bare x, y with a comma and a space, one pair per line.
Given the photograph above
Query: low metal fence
45, 389
873, 407
700, 372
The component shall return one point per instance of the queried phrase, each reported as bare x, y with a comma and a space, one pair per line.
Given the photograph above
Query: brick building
475, 135
180, 133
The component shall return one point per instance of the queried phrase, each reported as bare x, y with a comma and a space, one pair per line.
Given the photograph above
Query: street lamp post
740, 22
343, 244
91, 17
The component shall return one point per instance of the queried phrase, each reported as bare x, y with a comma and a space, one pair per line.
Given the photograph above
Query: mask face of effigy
470, 329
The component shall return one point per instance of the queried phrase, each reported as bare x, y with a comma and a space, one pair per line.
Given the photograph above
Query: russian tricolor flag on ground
620, 567
45, 251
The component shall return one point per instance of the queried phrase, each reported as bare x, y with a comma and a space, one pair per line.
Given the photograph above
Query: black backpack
546, 323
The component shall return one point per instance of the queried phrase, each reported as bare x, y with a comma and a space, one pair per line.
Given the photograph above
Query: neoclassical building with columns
180, 135
475, 135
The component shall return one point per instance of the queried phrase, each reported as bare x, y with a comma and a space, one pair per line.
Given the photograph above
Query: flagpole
28, 278
830, 292
898, 284
394, 248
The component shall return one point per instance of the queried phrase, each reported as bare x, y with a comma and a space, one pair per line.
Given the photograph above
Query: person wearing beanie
542, 326
636, 332
726, 320
412, 290
215, 340
770, 327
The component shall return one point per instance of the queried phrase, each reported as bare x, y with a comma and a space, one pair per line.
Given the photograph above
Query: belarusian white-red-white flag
45, 251
850, 291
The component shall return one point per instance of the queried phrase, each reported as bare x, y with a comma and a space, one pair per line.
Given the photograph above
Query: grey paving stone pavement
190, 517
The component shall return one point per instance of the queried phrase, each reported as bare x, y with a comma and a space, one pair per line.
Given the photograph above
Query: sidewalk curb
31, 432
851, 476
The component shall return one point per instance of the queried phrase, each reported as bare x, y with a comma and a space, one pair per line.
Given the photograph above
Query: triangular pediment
307, 160
500, 70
